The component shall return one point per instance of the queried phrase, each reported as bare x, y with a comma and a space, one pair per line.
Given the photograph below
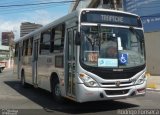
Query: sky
12, 17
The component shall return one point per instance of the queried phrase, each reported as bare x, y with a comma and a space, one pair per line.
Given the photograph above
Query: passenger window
45, 42
16, 50
58, 38
25, 47
30, 46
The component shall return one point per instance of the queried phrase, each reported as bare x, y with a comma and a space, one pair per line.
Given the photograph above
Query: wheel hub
57, 90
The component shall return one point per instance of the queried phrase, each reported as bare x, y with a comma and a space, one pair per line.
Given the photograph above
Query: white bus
88, 55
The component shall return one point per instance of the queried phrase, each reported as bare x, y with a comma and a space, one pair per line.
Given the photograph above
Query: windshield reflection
112, 47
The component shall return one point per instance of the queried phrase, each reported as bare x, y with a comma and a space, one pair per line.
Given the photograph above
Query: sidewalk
153, 82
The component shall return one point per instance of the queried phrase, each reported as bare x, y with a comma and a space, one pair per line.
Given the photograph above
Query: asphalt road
30, 101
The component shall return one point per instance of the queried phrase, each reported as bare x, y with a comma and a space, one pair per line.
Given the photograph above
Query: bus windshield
112, 47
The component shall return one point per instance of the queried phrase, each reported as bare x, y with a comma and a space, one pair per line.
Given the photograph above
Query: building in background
27, 27
7, 38
7, 48
108, 4
149, 12
4, 53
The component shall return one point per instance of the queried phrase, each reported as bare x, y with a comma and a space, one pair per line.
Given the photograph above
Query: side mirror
77, 39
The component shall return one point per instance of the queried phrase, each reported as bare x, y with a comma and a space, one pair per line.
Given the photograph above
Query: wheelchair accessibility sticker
123, 58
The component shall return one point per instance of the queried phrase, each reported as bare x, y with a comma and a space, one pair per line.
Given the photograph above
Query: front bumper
85, 94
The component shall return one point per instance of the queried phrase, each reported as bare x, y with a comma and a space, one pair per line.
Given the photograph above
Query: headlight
140, 80
88, 81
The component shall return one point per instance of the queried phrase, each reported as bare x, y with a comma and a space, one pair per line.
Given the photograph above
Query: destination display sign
110, 18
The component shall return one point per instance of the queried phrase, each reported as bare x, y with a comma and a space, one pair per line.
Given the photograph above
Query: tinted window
58, 39
16, 50
25, 47
30, 46
45, 42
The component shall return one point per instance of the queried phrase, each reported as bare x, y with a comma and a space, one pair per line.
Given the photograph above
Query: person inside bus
124, 39
90, 46
109, 46
90, 42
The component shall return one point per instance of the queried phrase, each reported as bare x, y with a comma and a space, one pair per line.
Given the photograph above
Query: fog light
141, 90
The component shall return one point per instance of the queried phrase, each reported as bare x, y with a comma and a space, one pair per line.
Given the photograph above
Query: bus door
19, 59
71, 63
34, 60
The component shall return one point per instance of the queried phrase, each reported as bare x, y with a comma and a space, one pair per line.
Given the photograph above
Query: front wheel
56, 92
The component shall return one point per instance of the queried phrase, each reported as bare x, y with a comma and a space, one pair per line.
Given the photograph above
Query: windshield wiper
132, 29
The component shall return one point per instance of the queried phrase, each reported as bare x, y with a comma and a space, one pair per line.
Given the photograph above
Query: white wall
152, 42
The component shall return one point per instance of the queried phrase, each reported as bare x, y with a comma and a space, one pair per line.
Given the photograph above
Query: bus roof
110, 10
67, 17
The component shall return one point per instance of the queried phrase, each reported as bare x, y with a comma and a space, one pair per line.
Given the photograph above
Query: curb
151, 89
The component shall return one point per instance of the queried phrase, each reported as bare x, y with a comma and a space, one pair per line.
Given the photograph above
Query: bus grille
122, 84
117, 92
114, 75
113, 83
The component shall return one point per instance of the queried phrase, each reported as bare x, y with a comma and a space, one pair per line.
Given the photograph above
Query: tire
56, 93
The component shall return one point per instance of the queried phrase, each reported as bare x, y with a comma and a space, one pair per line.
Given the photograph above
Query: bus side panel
46, 66
44, 69
27, 66
15, 66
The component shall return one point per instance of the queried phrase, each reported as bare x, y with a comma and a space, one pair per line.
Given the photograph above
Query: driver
111, 52
109, 47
